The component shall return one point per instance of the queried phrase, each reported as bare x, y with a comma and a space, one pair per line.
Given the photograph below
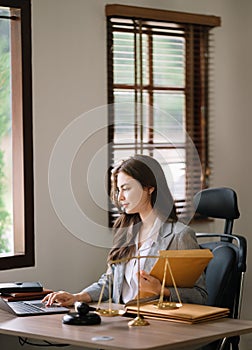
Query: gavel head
81, 308
81, 316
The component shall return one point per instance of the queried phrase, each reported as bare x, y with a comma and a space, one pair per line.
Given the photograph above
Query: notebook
30, 308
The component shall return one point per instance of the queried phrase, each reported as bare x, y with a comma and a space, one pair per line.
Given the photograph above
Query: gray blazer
181, 237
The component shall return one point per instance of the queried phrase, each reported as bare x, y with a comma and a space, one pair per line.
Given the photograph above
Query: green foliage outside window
5, 125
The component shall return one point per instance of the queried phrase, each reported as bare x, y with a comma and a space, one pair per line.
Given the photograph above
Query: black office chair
225, 272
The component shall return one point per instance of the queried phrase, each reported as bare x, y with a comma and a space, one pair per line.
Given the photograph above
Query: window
16, 151
158, 93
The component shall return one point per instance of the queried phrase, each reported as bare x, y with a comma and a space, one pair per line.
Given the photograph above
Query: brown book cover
18, 296
186, 266
187, 313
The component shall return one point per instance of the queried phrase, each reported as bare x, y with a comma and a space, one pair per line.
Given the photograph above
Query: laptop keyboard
21, 307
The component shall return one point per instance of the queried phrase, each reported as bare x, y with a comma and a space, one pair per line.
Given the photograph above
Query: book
143, 300
186, 266
25, 295
13, 287
187, 313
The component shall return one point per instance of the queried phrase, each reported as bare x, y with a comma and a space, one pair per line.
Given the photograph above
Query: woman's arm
89, 294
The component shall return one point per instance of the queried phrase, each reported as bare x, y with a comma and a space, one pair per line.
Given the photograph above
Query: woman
148, 223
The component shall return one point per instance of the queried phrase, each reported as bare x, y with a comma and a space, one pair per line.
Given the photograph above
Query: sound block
73, 318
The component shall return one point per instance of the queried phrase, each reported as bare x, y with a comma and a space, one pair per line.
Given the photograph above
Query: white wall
69, 79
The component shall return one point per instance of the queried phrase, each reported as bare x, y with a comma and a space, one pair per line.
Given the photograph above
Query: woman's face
131, 195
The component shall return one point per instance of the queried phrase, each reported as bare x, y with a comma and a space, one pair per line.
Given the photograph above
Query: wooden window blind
159, 76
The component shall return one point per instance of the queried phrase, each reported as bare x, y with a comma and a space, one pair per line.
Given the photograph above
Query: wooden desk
159, 335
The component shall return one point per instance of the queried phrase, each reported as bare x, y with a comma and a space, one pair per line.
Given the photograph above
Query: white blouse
130, 284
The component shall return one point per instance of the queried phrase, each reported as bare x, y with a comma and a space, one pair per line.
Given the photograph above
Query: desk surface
159, 335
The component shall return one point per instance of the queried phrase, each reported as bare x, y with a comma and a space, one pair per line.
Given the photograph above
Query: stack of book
185, 267
187, 313
16, 291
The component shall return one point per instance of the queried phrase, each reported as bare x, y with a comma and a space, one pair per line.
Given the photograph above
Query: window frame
22, 131
189, 21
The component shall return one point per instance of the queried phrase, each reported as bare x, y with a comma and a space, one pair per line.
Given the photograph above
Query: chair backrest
225, 272
224, 263
219, 202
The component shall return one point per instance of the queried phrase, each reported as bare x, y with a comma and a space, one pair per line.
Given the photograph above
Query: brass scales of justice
161, 304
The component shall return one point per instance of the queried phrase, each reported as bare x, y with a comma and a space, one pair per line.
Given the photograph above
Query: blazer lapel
163, 241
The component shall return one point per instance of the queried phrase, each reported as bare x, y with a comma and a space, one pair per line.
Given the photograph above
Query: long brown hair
149, 173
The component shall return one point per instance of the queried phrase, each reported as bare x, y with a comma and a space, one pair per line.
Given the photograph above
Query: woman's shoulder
182, 230
181, 227
177, 228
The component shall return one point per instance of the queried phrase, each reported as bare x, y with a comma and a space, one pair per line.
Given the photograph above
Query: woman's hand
151, 284
63, 298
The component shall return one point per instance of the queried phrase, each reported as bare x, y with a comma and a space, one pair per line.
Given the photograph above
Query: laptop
31, 308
